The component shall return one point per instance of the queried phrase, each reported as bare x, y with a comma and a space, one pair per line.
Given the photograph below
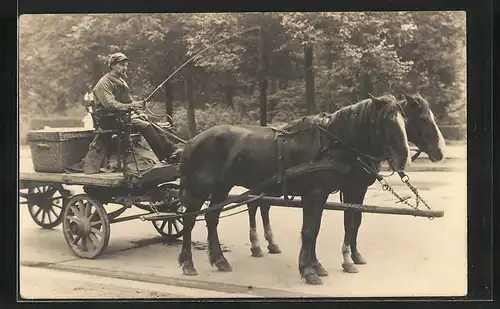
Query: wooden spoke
58, 206
96, 232
52, 210
169, 227
38, 212
93, 241
94, 223
163, 224
75, 240
174, 223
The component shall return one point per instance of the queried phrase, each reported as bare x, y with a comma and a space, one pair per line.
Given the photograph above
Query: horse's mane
352, 120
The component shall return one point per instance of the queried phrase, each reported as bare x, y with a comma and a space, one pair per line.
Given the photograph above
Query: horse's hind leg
212, 218
268, 232
253, 235
186, 256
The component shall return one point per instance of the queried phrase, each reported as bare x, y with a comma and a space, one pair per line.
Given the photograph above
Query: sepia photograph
242, 155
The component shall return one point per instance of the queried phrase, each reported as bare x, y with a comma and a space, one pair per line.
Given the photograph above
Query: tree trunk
282, 84
263, 80
169, 98
60, 106
309, 78
96, 72
329, 67
188, 83
208, 89
252, 88
229, 91
366, 87
273, 86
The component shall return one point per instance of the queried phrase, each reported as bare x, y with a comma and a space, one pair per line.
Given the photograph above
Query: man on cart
112, 91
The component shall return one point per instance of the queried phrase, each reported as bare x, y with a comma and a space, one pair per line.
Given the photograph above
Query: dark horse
422, 131
216, 160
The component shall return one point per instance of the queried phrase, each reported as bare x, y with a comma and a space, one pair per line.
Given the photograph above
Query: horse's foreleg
320, 270
356, 255
348, 263
356, 196
253, 235
214, 249
186, 256
312, 208
268, 232
352, 222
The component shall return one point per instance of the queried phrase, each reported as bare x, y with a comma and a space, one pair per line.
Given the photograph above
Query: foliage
208, 117
61, 56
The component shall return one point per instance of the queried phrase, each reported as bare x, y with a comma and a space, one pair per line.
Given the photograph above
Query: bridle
418, 150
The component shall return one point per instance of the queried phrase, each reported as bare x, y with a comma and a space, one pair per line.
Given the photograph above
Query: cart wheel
45, 204
86, 226
171, 229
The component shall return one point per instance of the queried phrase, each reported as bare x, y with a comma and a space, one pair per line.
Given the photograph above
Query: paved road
40, 283
406, 256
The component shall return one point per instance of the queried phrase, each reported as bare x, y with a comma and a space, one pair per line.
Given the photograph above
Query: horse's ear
410, 99
377, 101
406, 95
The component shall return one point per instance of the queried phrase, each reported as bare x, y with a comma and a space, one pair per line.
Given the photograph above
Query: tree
315, 61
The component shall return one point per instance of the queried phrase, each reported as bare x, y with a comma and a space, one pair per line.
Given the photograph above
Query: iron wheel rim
86, 226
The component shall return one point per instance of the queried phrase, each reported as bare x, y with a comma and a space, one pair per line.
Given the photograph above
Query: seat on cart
116, 147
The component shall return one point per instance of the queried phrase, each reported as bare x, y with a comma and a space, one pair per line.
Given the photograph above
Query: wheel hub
80, 227
42, 200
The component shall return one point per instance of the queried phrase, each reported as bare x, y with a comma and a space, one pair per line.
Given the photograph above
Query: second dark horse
422, 131
216, 160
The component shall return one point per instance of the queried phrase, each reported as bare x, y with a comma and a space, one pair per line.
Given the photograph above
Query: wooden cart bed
100, 179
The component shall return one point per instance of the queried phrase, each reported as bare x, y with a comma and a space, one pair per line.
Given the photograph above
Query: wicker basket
55, 149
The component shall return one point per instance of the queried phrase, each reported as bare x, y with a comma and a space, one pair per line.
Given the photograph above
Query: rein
385, 186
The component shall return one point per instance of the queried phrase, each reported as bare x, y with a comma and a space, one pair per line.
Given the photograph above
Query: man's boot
154, 141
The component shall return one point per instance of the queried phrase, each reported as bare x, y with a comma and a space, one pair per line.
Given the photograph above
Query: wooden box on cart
55, 149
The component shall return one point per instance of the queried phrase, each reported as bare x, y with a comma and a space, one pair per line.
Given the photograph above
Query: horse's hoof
349, 268
189, 270
358, 258
257, 252
274, 249
223, 265
313, 279
320, 270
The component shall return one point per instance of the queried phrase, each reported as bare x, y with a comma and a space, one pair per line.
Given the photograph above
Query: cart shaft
296, 203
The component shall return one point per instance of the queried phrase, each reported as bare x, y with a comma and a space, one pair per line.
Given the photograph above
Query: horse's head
390, 131
422, 129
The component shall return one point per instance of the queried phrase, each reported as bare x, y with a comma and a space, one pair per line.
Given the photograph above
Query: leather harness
283, 143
